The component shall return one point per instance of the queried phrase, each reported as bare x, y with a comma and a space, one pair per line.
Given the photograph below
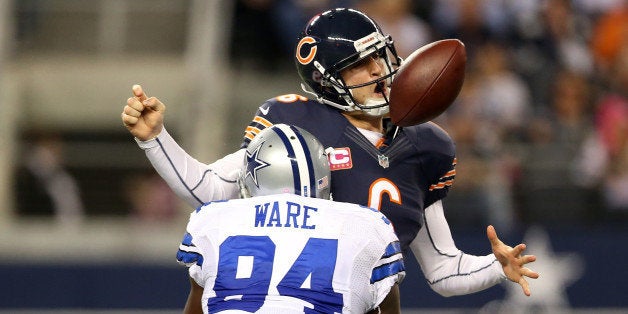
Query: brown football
427, 82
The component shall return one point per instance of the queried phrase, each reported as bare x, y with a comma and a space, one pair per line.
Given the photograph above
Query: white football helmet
285, 159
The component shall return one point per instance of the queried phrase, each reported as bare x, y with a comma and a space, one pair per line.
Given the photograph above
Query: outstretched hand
512, 261
143, 116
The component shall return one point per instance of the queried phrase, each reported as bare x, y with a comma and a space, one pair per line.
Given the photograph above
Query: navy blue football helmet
335, 40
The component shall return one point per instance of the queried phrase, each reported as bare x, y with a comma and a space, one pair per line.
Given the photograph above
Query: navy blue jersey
401, 179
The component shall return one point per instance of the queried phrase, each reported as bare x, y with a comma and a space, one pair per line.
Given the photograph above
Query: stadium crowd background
541, 124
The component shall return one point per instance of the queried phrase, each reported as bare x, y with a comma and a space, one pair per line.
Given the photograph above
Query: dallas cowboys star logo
253, 163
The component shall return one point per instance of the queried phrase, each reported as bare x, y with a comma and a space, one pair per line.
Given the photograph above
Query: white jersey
289, 254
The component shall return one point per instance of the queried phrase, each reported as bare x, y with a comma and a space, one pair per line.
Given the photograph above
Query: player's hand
143, 116
512, 261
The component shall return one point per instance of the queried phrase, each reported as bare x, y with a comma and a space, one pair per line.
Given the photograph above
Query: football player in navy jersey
346, 65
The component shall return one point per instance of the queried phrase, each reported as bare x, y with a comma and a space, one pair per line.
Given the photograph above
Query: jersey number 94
250, 283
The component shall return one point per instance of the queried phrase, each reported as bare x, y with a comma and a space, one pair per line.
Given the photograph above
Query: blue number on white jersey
254, 288
317, 261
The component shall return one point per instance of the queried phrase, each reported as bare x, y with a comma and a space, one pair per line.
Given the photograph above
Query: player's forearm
448, 270
465, 274
191, 180
194, 302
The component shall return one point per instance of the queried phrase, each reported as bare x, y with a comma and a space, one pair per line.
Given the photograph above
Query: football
427, 82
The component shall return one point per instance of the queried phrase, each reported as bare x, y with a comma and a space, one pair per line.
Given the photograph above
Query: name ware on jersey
287, 215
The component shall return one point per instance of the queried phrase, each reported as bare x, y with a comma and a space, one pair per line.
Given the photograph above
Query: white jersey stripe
300, 157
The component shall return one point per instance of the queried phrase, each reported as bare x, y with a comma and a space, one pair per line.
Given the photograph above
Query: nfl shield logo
383, 161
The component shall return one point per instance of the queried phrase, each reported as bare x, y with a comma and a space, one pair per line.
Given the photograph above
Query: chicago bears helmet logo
312, 52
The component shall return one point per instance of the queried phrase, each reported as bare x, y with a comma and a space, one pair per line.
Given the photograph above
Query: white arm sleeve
193, 181
448, 270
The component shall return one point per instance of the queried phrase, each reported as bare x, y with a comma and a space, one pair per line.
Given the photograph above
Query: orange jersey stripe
441, 185
262, 121
250, 132
449, 174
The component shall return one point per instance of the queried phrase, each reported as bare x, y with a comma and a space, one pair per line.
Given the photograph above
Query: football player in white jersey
285, 247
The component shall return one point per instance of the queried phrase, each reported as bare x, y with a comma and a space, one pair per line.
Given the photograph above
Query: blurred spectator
568, 32
550, 36
610, 34
549, 192
504, 104
504, 101
151, 199
396, 18
594, 8
604, 159
472, 21
43, 186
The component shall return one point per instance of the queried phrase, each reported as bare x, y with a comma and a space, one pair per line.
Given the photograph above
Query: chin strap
244, 192
377, 111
